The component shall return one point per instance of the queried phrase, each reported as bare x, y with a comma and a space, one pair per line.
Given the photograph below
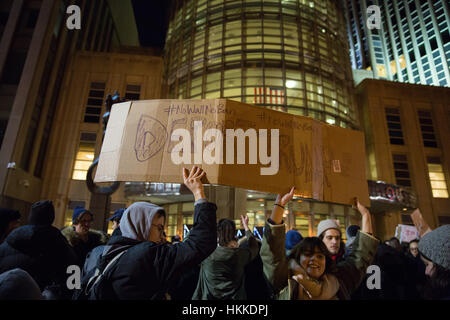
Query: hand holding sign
420, 223
283, 200
192, 180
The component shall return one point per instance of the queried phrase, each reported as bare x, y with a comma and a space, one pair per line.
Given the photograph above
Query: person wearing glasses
149, 264
80, 235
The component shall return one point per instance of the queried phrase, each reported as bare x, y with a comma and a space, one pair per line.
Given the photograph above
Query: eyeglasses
160, 228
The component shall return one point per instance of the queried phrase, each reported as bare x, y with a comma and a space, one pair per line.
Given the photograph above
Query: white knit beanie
327, 224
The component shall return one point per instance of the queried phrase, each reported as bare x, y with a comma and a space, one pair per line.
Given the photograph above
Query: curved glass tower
290, 55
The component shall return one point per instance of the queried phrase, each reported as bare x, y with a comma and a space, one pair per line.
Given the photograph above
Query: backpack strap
98, 275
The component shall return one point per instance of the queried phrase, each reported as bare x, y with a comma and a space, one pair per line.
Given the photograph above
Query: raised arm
202, 240
253, 246
366, 223
273, 253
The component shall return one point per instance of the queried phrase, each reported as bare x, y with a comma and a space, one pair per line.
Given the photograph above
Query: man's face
413, 249
115, 224
84, 224
332, 239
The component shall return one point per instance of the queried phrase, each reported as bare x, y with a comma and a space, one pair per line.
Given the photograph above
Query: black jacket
95, 238
41, 251
146, 269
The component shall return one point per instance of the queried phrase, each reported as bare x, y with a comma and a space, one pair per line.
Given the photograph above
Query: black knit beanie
42, 213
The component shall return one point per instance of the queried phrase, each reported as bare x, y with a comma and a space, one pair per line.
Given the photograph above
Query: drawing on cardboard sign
151, 136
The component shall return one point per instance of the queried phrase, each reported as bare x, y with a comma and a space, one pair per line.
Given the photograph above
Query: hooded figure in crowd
222, 274
434, 248
311, 273
17, 284
150, 264
39, 249
80, 235
9, 220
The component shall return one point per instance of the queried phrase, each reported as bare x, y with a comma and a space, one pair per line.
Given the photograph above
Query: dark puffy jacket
95, 238
147, 269
39, 250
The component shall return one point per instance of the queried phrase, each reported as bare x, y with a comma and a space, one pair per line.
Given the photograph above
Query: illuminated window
84, 156
437, 178
172, 219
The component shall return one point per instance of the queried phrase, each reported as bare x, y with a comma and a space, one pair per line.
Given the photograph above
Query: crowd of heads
143, 221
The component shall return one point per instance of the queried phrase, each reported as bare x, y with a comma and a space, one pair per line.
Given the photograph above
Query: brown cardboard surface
421, 225
324, 162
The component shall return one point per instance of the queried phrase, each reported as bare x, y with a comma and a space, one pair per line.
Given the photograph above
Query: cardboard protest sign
406, 233
237, 144
420, 223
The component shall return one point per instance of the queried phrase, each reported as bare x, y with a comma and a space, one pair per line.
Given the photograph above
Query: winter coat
146, 269
39, 250
222, 273
256, 284
95, 238
349, 272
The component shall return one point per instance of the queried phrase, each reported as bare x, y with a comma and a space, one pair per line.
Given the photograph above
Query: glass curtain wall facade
283, 54
412, 44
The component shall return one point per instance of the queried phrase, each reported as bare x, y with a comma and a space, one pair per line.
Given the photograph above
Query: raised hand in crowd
244, 221
279, 206
366, 223
192, 180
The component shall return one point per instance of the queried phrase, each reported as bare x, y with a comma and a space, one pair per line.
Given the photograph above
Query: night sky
151, 19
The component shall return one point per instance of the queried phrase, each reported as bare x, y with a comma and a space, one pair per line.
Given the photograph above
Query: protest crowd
137, 263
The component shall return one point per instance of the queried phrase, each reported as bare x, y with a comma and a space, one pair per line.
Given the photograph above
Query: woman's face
156, 233
429, 266
313, 262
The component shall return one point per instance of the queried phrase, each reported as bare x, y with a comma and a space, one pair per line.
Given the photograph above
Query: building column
10, 28
8, 147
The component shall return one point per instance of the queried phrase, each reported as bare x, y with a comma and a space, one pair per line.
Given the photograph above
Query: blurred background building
412, 44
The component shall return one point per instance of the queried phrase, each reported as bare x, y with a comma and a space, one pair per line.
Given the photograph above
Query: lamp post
101, 195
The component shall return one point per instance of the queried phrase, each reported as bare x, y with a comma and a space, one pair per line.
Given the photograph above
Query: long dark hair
308, 245
438, 285
226, 231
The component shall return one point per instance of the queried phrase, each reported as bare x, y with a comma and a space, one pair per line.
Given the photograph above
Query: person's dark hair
415, 240
226, 231
438, 285
395, 243
308, 245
